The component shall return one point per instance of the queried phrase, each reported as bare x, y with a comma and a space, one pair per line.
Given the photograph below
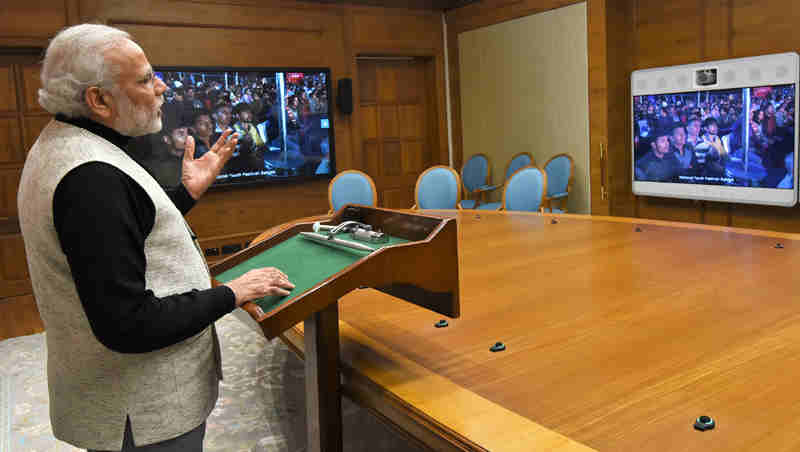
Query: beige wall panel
524, 87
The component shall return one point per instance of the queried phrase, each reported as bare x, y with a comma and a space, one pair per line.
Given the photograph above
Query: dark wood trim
323, 395
490, 12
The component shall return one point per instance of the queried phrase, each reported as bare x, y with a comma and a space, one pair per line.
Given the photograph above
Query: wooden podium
420, 265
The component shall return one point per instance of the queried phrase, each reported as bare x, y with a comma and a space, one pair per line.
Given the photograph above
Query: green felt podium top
305, 262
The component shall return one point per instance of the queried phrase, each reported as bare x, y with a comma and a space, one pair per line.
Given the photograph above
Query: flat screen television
282, 116
719, 131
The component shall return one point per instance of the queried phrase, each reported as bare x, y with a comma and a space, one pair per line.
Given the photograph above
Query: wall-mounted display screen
718, 131
282, 117
736, 137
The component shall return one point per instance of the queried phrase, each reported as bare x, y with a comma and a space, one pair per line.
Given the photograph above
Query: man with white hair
122, 287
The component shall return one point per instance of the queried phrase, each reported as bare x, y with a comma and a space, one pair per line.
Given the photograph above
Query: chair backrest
351, 187
525, 190
560, 171
438, 187
518, 161
475, 172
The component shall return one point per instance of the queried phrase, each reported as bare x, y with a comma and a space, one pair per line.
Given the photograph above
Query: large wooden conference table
619, 333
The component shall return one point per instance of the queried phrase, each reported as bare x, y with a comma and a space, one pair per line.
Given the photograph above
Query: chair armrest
484, 188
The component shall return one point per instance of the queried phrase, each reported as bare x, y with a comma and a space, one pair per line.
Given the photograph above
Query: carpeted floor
261, 406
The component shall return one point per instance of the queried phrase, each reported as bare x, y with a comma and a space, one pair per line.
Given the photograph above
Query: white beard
135, 121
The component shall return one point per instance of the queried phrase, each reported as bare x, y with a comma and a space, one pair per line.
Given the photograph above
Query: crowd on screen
249, 105
713, 138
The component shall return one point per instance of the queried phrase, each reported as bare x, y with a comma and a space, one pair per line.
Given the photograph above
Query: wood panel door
397, 124
21, 120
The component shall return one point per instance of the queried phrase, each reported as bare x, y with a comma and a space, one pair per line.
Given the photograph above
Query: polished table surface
619, 334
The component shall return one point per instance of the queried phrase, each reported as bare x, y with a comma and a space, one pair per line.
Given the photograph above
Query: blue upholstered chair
560, 171
475, 175
525, 190
438, 187
518, 161
351, 187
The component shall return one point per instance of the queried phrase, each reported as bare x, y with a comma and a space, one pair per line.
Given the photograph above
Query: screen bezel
745, 195
273, 180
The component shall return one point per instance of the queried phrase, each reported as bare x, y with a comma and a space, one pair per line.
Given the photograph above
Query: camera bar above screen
282, 116
718, 131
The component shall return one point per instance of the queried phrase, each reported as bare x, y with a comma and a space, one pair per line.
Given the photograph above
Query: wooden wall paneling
456, 130
683, 32
265, 15
392, 158
220, 247
31, 22
668, 33
670, 209
398, 197
619, 26
413, 157
409, 33
388, 121
11, 149
597, 35
772, 218
435, 115
31, 82
246, 209
369, 123
400, 140
410, 121
8, 89
13, 266
377, 30
20, 317
490, 12
33, 125
34, 117
717, 29
716, 213
372, 161
9, 184
764, 26
14, 278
